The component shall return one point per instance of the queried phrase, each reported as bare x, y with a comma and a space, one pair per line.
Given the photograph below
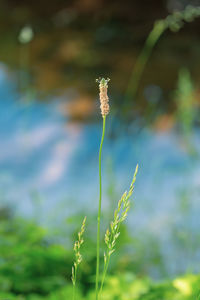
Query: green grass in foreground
33, 268
127, 287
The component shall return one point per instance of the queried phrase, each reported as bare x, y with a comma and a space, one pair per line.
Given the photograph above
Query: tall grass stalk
99, 209
103, 85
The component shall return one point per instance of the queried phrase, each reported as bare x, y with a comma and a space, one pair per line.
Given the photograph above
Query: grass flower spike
113, 232
78, 257
104, 100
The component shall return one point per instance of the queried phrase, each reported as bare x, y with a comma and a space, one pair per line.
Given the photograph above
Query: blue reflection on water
41, 150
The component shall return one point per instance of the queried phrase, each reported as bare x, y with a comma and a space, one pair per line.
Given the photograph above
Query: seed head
77, 246
120, 215
104, 100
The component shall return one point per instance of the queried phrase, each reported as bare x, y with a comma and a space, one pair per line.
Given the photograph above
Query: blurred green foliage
32, 267
127, 286
29, 263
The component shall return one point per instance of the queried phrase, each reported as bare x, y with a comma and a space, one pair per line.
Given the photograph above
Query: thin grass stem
99, 210
74, 284
104, 274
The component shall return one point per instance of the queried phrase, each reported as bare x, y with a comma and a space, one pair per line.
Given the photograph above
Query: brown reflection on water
79, 108
76, 42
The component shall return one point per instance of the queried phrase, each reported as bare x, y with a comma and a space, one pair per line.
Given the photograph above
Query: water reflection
47, 158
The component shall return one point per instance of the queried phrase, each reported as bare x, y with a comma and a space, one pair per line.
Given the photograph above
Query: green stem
74, 291
107, 264
74, 284
99, 210
104, 273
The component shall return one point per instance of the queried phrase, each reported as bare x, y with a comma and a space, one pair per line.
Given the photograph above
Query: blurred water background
50, 123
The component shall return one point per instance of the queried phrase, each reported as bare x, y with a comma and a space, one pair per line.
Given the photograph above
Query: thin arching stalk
174, 22
142, 60
99, 210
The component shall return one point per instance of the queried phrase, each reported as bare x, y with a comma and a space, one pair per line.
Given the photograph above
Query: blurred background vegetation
50, 55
